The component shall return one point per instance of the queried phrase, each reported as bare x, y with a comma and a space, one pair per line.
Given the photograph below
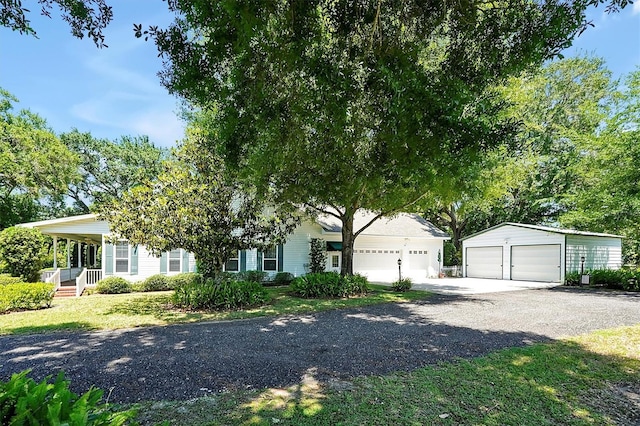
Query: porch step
66, 291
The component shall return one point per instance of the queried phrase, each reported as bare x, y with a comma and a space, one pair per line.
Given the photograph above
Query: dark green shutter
243, 260
108, 259
134, 260
185, 261
280, 256
259, 261
163, 263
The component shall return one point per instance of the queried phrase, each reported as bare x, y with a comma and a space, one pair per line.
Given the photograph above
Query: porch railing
52, 277
87, 277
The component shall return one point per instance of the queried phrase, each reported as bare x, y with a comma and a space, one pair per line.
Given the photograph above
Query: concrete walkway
466, 286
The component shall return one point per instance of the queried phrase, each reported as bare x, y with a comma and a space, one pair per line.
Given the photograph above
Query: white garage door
376, 264
536, 263
484, 262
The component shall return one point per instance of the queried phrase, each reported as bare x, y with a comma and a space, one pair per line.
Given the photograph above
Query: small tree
21, 251
317, 255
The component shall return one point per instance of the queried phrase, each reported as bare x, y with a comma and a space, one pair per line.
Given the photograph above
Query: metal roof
546, 229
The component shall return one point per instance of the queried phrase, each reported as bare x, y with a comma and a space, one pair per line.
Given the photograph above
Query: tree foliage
85, 17
354, 104
21, 250
34, 165
193, 204
110, 168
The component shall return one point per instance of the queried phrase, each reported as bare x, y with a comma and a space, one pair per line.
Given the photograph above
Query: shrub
225, 295
21, 252
25, 402
329, 284
113, 285
25, 296
317, 255
253, 276
618, 279
185, 278
8, 279
156, 282
283, 278
403, 284
572, 278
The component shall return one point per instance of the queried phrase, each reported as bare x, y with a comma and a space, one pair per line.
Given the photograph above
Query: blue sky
115, 91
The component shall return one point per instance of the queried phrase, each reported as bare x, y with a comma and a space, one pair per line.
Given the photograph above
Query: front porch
83, 264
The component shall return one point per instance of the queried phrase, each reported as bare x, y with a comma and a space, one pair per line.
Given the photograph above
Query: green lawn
97, 312
579, 381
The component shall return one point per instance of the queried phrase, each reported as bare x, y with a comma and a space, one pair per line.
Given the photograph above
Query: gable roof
545, 229
400, 225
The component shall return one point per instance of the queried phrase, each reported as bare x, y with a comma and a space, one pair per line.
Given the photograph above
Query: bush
113, 285
183, 279
25, 296
25, 402
253, 276
225, 295
21, 252
403, 284
329, 284
317, 255
8, 279
283, 278
572, 278
356, 285
618, 279
156, 282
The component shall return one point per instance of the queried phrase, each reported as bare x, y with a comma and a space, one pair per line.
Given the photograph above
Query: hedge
329, 284
618, 279
225, 295
25, 296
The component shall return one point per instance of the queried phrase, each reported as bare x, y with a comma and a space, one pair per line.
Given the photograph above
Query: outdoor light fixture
399, 269
582, 265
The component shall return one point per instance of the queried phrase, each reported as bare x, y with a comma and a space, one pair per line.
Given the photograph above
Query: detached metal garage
516, 251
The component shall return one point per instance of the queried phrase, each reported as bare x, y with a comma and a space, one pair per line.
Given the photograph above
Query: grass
98, 312
588, 380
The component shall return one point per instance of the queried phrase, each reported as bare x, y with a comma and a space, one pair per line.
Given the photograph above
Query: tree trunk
347, 243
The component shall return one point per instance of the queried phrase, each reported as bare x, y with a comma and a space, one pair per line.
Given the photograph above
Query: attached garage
516, 251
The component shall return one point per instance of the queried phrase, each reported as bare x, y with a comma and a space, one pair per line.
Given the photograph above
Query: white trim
67, 219
115, 258
169, 271
275, 258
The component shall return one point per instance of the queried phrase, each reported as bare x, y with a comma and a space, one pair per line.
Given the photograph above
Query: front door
334, 261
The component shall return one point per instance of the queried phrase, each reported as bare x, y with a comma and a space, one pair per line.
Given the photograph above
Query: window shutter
259, 261
163, 263
185, 261
134, 260
108, 259
280, 256
243, 260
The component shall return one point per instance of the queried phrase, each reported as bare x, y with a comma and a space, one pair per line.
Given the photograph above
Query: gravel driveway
186, 361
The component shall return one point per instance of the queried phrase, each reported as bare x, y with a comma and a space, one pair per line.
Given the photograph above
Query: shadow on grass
556, 383
48, 328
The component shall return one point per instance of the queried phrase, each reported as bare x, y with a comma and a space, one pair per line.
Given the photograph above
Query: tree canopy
108, 168
35, 167
195, 205
85, 17
354, 104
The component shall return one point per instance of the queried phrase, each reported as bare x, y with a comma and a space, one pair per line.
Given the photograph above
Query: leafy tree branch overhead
85, 17
354, 104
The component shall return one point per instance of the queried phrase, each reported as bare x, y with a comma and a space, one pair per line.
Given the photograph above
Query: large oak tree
356, 104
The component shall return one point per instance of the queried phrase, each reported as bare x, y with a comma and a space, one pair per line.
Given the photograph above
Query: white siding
295, 256
599, 252
508, 236
86, 226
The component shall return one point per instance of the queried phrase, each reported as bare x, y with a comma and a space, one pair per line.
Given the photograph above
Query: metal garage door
536, 263
484, 262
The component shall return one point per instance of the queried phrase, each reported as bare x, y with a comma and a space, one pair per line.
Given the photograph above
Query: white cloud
636, 8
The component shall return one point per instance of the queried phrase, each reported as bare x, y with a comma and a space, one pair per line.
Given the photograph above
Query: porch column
79, 254
68, 253
55, 252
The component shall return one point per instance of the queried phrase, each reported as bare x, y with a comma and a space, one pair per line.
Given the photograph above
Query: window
270, 259
122, 256
174, 260
335, 261
232, 263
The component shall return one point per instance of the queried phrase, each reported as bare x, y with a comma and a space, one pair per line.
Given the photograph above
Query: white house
406, 237
516, 251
